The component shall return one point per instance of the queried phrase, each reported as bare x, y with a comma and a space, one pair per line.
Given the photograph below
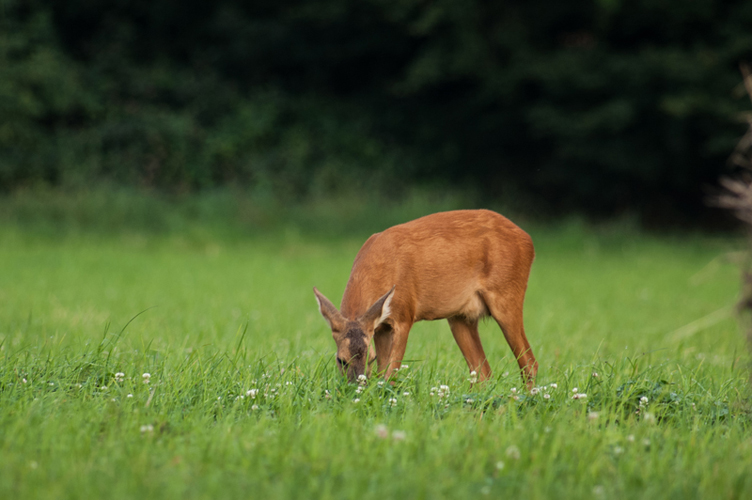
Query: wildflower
630, 438
513, 452
103, 388
473, 377
24, 381
546, 396
646, 442
359, 389
643, 402
553, 385
362, 380
513, 390
392, 401
381, 431
534, 391
406, 394
469, 401
146, 377
575, 390
592, 415
119, 376
254, 407
129, 396
433, 391
499, 465
251, 393
52, 383
516, 397
356, 400
618, 450
147, 428
399, 435
595, 374
580, 395
442, 391
327, 395
380, 383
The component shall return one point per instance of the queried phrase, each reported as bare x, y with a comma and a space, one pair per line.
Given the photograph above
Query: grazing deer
459, 266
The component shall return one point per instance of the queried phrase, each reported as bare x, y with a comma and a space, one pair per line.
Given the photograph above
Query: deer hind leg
506, 309
466, 335
398, 345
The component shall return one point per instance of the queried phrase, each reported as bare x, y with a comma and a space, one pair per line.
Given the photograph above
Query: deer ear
380, 310
329, 312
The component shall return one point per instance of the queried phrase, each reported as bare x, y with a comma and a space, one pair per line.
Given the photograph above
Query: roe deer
459, 266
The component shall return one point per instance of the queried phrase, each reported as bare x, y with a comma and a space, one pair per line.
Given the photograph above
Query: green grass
211, 315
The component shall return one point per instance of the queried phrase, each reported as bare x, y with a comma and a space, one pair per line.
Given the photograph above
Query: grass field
243, 399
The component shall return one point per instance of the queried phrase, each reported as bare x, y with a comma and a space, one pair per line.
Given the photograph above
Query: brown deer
460, 266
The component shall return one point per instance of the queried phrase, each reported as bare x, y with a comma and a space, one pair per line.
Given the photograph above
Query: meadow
193, 363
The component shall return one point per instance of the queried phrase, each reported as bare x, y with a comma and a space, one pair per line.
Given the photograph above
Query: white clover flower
473, 377
646, 442
251, 393
356, 400
643, 402
119, 376
327, 395
146, 377
592, 415
359, 389
103, 388
381, 431
513, 390
595, 374
513, 452
362, 380
469, 401
575, 390
581, 395
406, 394
399, 435
630, 438
618, 450
147, 428
392, 401
254, 407
516, 397
380, 383
553, 385
129, 396
534, 391
23, 380
546, 396
499, 465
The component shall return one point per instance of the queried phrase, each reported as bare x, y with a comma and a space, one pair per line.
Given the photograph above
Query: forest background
603, 108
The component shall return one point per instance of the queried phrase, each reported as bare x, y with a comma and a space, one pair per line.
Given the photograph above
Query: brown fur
459, 266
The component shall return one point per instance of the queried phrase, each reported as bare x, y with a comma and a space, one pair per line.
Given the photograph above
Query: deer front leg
400, 332
382, 341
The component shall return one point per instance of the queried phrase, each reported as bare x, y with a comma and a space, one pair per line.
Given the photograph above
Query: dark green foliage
602, 106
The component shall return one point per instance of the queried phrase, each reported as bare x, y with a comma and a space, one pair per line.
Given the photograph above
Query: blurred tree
599, 106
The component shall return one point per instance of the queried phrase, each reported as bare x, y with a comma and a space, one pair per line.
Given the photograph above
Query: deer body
460, 266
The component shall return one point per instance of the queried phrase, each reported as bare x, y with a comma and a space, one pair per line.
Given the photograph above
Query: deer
461, 266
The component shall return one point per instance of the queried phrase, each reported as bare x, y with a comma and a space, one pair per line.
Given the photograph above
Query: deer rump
460, 265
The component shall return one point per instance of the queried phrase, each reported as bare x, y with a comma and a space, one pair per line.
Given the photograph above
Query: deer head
354, 337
